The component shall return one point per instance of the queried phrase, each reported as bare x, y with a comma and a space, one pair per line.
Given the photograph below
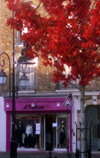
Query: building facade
47, 115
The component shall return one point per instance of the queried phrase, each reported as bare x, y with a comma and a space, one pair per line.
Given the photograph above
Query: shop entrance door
92, 117
50, 133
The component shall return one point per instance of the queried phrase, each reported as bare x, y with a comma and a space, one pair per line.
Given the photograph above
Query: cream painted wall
2, 126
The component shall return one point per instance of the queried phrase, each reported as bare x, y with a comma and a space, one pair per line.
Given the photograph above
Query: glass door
50, 131
42, 132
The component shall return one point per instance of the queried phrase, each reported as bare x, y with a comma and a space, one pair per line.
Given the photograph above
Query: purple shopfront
42, 123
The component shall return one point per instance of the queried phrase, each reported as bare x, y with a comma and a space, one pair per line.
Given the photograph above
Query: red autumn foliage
69, 35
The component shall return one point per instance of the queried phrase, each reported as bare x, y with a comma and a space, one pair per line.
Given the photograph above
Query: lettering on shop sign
29, 106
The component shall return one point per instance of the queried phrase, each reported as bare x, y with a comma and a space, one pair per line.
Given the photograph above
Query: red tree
69, 35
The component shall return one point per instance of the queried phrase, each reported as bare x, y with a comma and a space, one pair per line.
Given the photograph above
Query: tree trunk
82, 124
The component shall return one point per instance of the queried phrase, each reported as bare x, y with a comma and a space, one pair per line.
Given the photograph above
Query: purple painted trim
40, 105
37, 104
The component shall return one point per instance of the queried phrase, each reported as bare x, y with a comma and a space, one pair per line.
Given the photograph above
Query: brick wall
5, 36
44, 75
6, 31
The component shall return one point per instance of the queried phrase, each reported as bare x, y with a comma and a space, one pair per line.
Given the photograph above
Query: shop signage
52, 104
37, 128
29, 106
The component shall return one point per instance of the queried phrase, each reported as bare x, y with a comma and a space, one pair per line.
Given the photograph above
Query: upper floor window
70, 86
31, 72
32, 81
19, 42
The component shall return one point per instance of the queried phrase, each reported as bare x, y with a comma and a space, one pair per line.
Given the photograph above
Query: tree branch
74, 85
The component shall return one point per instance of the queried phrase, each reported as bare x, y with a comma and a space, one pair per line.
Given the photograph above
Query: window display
20, 132
62, 134
62, 129
26, 132
42, 131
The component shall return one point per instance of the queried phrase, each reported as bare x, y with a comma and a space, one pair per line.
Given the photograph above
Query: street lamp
23, 82
24, 66
3, 77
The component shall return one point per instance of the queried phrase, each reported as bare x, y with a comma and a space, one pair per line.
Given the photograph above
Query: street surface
44, 154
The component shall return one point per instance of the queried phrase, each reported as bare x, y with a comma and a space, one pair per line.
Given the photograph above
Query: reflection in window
62, 132
32, 83
26, 132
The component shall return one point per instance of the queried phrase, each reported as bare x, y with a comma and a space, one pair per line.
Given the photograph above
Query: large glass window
27, 131
63, 132
46, 132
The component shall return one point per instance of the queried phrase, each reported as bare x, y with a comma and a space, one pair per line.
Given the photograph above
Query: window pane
27, 132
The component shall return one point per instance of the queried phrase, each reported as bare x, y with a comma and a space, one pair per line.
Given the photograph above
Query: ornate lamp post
23, 83
3, 78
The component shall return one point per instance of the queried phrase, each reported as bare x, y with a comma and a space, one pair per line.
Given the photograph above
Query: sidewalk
44, 154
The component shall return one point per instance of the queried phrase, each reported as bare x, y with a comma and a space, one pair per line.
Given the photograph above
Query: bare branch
74, 85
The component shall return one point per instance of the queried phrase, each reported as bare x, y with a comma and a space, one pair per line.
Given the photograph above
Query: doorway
50, 132
92, 116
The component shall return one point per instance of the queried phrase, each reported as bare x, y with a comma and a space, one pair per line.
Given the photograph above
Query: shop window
63, 132
19, 41
60, 85
27, 132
